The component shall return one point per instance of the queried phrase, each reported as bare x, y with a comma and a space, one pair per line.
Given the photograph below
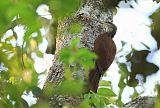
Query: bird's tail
94, 77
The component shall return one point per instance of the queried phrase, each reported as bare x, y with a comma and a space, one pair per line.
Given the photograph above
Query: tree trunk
95, 14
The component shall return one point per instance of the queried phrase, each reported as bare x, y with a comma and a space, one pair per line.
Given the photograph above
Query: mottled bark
141, 102
95, 15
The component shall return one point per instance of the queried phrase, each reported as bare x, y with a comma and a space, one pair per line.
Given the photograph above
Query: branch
141, 102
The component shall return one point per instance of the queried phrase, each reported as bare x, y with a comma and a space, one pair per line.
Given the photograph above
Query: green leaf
38, 38
4, 59
36, 91
34, 78
63, 8
85, 104
74, 43
95, 99
106, 92
65, 55
75, 28
70, 87
104, 100
119, 103
140, 66
6, 46
74, 55
124, 74
157, 1
104, 83
156, 26
39, 54
4, 22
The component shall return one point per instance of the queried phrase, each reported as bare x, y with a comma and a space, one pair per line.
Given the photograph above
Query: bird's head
112, 29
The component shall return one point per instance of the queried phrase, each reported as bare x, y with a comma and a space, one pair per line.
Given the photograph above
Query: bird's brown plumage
105, 49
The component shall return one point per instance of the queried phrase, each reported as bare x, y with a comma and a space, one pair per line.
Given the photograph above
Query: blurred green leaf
34, 78
104, 83
85, 104
124, 75
6, 46
6, 103
86, 58
4, 59
16, 78
119, 103
135, 94
156, 26
95, 99
65, 54
14, 91
36, 91
140, 66
75, 28
39, 54
157, 103
70, 87
41, 104
157, 1
104, 100
4, 22
64, 8
106, 92
77, 56
74, 43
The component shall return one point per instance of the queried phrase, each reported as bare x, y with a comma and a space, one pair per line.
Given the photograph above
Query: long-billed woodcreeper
105, 49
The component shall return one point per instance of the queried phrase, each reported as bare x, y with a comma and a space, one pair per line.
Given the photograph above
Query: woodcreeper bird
105, 49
